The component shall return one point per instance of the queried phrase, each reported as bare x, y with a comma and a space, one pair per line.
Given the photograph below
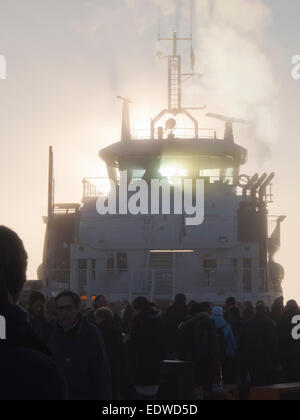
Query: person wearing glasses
78, 349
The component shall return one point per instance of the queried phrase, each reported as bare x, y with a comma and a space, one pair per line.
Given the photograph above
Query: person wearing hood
222, 325
27, 371
227, 345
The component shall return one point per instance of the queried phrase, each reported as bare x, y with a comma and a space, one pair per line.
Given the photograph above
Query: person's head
205, 307
231, 301
67, 306
13, 266
103, 315
180, 299
249, 306
190, 305
234, 313
292, 307
217, 312
261, 309
278, 303
142, 304
37, 305
100, 300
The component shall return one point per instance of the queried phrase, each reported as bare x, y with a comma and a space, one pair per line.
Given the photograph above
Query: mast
49, 254
175, 81
175, 74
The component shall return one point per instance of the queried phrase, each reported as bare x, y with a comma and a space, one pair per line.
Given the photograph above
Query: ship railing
179, 133
97, 187
165, 284
60, 279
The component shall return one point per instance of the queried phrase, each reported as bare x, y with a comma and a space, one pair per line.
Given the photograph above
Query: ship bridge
159, 255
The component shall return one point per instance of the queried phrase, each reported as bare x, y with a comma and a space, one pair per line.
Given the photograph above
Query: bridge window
117, 262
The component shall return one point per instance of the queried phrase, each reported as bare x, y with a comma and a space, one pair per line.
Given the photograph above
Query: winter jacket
26, 369
81, 356
226, 329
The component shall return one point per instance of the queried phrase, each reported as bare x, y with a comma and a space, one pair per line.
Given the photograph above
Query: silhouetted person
113, 340
230, 348
236, 323
127, 318
26, 371
248, 313
78, 349
198, 343
289, 349
172, 318
102, 302
37, 317
258, 349
277, 310
146, 350
231, 301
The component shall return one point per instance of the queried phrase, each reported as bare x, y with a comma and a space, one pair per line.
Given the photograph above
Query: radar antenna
228, 136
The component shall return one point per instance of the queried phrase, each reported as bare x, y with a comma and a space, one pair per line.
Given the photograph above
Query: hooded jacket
226, 329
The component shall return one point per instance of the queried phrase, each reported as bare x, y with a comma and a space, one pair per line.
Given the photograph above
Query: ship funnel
228, 136
125, 133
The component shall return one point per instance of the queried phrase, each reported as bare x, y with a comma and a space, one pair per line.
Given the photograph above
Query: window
234, 264
122, 262
212, 174
209, 268
138, 173
82, 264
110, 263
229, 176
117, 262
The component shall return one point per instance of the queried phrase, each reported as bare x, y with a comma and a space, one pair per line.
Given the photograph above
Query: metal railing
179, 133
164, 284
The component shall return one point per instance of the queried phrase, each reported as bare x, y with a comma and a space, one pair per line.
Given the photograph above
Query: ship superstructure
124, 256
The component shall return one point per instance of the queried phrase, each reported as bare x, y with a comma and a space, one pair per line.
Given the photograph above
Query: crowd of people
58, 350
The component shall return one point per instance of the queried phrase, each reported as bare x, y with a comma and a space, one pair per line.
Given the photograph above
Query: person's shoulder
47, 381
91, 330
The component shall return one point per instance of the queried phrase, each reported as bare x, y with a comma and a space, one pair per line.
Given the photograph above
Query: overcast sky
67, 60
